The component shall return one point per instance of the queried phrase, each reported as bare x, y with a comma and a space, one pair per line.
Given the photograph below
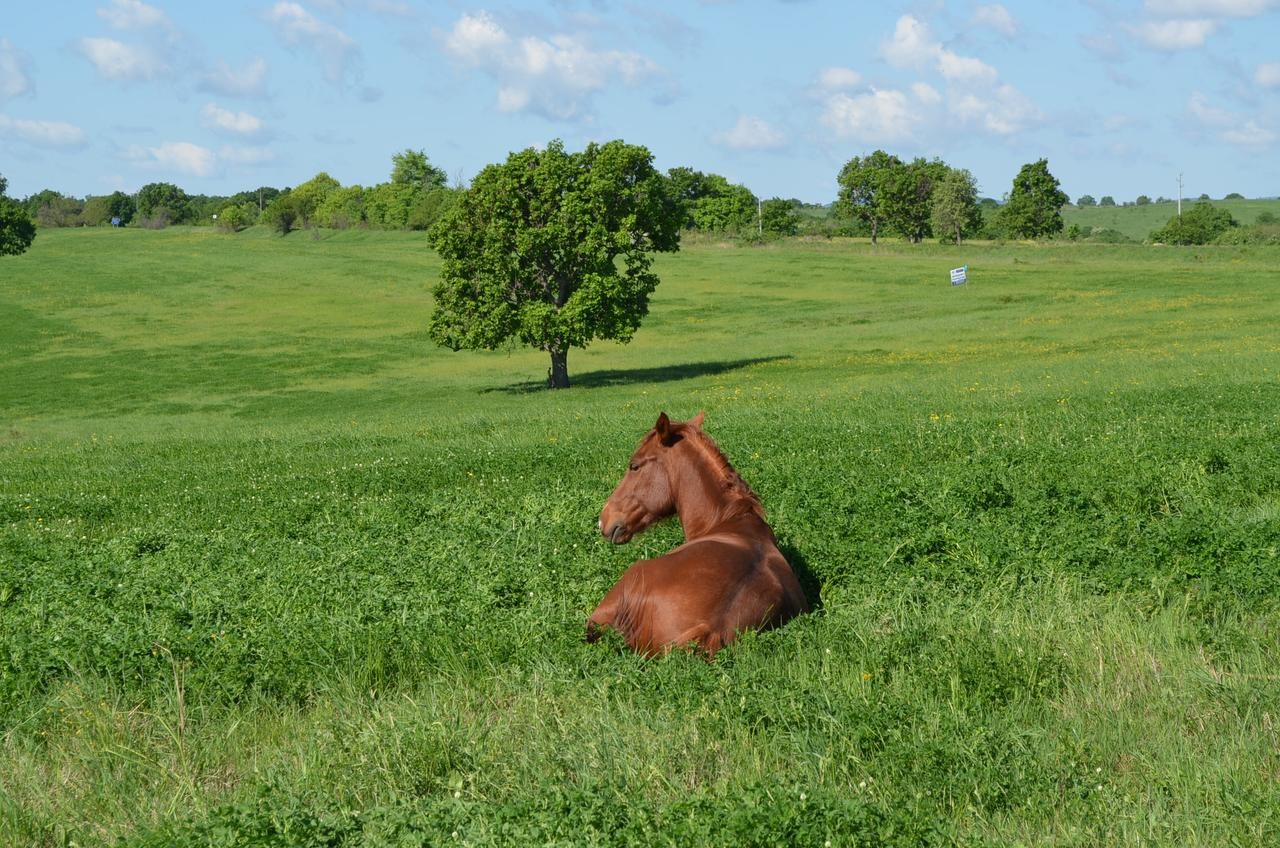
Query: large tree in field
956, 213
1033, 208
908, 197
866, 184
553, 249
17, 231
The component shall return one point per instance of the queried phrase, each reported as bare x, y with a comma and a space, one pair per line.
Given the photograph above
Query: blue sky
219, 97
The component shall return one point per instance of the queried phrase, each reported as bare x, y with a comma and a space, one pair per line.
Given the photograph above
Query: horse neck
707, 489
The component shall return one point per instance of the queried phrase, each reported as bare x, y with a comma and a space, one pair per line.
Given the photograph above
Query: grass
274, 568
1139, 222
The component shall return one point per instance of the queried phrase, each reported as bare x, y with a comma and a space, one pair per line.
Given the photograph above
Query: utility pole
1179, 195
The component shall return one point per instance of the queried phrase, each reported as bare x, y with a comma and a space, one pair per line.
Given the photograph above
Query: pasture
275, 570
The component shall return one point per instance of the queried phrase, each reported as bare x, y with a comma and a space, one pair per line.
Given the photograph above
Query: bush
232, 219
1202, 224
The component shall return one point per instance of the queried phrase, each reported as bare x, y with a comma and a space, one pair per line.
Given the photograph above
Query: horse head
646, 495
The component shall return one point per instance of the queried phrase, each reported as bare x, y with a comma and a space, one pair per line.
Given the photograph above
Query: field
274, 570
1139, 222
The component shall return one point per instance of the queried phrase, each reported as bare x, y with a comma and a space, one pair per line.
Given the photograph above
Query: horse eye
635, 466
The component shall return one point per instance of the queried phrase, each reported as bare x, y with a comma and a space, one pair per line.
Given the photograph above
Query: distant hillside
1137, 222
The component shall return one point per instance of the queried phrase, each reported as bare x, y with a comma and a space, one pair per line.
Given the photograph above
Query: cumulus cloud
236, 123
835, 79
551, 76
14, 80
751, 133
880, 115
1175, 34
246, 80
179, 156
296, 27
996, 17
1239, 130
116, 60
132, 14
911, 45
1268, 75
43, 133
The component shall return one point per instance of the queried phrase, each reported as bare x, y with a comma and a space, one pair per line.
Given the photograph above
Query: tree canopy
866, 189
1035, 202
955, 214
553, 249
17, 230
1200, 224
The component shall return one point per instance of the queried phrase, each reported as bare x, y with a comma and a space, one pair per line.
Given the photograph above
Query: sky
220, 97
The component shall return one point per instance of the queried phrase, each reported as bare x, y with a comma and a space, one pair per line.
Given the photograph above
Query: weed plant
273, 570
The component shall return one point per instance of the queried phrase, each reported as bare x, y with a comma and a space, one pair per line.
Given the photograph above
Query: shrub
1203, 223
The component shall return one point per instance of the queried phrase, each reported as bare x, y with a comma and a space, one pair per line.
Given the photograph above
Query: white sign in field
960, 276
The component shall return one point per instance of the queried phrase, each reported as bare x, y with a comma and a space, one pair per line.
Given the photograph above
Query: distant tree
553, 249
955, 213
233, 218
1086, 200
1143, 200
724, 207
778, 217
1235, 195
1107, 200
309, 196
159, 204
1201, 224
412, 168
909, 197
17, 230
342, 208
282, 215
259, 197
1267, 217
1203, 197
387, 205
1035, 202
686, 187
866, 186
4, 185
430, 207
53, 209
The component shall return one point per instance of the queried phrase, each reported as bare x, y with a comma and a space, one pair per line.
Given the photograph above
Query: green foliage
1235, 195
1107, 200
58, 210
283, 214
1200, 224
17, 230
233, 219
778, 217
1086, 200
1142, 200
388, 205
1035, 202
412, 168
161, 204
956, 214
909, 197
308, 197
724, 208
342, 208
429, 207
866, 185
532, 250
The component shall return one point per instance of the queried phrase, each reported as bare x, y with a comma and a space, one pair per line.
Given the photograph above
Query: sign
960, 276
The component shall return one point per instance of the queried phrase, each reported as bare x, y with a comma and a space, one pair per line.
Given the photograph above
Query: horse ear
666, 433
696, 421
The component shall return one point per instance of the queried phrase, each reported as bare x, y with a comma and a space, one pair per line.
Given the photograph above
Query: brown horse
727, 577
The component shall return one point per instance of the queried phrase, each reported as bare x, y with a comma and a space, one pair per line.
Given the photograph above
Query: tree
282, 214
412, 168
1107, 200
309, 196
686, 187
553, 249
159, 204
1201, 224
1033, 209
865, 184
1086, 200
16, 228
724, 207
779, 217
909, 197
955, 212
1142, 200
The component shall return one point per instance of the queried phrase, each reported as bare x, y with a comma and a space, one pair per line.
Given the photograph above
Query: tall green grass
273, 568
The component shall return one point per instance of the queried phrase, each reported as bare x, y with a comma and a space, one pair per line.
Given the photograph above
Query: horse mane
743, 499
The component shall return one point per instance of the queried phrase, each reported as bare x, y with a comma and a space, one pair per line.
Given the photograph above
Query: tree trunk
558, 376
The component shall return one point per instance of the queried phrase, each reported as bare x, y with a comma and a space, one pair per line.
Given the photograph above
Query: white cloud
551, 76
1176, 34
751, 133
965, 68
911, 45
119, 61
1268, 75
926, 93
1001, 111
14, 81
224, 120
180, 156
247, 80
43, 133
296, 27
881, 115
132, 14
836, 78
1232, 128
1210, 8
997, 17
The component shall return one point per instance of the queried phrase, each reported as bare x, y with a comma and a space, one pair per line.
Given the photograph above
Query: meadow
274, 570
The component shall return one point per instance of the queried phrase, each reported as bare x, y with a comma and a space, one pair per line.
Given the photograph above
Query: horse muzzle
616, 532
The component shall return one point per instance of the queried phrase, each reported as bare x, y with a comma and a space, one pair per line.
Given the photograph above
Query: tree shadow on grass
659, 374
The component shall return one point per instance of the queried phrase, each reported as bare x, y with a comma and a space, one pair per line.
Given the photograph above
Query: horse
727, 577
